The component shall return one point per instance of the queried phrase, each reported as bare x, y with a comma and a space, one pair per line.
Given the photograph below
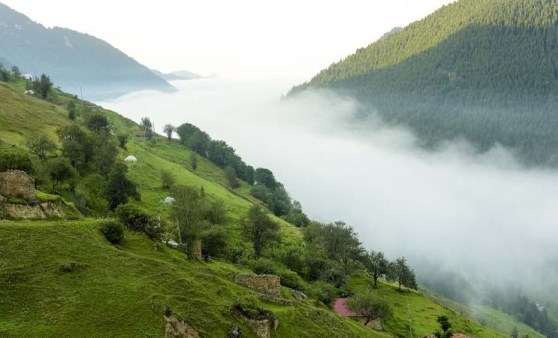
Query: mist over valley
477, 214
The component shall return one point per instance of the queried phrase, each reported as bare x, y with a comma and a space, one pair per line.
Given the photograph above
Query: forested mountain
71, 59
486, 70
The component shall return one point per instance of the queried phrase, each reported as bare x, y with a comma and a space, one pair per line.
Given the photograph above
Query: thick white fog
483, 214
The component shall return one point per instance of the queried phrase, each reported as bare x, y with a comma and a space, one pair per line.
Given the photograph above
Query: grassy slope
421, 312
497, 320
124, 292
129, 302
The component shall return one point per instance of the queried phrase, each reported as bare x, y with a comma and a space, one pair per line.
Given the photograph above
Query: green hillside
485, 70
123, 293
63, 278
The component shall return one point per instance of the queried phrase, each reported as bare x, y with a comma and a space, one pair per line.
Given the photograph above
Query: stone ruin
269, 284
15, 183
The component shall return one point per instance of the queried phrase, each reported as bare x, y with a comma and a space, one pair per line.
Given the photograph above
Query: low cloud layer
482, 215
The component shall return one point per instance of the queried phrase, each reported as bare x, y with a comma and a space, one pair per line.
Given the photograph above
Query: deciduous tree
369, 306
259, 229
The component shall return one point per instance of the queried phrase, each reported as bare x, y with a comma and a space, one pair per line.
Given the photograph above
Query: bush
293, 259
15, 160
215, 242
291, 279
264, 266
153, 229
113, 231
322, 291
253, 312
136, 219
167, 178
132, 217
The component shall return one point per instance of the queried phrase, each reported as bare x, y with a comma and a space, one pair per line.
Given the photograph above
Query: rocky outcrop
178, 328
18, 200
18, 184
234, 331
37, 211
262, 322
299, 295
269, 284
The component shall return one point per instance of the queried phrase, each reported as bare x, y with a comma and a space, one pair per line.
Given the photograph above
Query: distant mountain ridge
73, 60
177, 75
484, 70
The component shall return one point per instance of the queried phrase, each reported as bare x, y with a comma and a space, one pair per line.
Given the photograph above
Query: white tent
169, 200
131, 159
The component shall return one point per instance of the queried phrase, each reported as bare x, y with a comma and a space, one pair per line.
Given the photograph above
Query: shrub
322, 291
132, 217
70, 267
370, 306
153, 229
264, 266
293, 259
15, 160
113, 231
122, 140
136, 219
215, 242
253, 312
291, 279
167, 178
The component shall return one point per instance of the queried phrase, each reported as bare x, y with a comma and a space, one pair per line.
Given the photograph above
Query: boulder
18, 184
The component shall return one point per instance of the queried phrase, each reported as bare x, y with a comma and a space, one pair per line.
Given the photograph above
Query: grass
44, 197
489, 317
412, 312
22, 115
63, 279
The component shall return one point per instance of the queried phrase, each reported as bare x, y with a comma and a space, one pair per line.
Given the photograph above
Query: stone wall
264, 283
18, 184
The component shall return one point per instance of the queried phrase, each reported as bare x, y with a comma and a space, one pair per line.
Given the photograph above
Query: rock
45, 210
178, 328
234, 331
264, 283
299, 295
15, 183
261, 321
261, 328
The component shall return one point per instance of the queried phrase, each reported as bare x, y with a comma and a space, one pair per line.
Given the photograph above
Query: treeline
321, 267
484, 70
264, 185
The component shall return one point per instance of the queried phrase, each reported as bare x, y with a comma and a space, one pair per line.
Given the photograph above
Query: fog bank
480, 213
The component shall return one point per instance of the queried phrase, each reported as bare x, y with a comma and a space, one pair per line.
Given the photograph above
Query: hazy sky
251, 38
